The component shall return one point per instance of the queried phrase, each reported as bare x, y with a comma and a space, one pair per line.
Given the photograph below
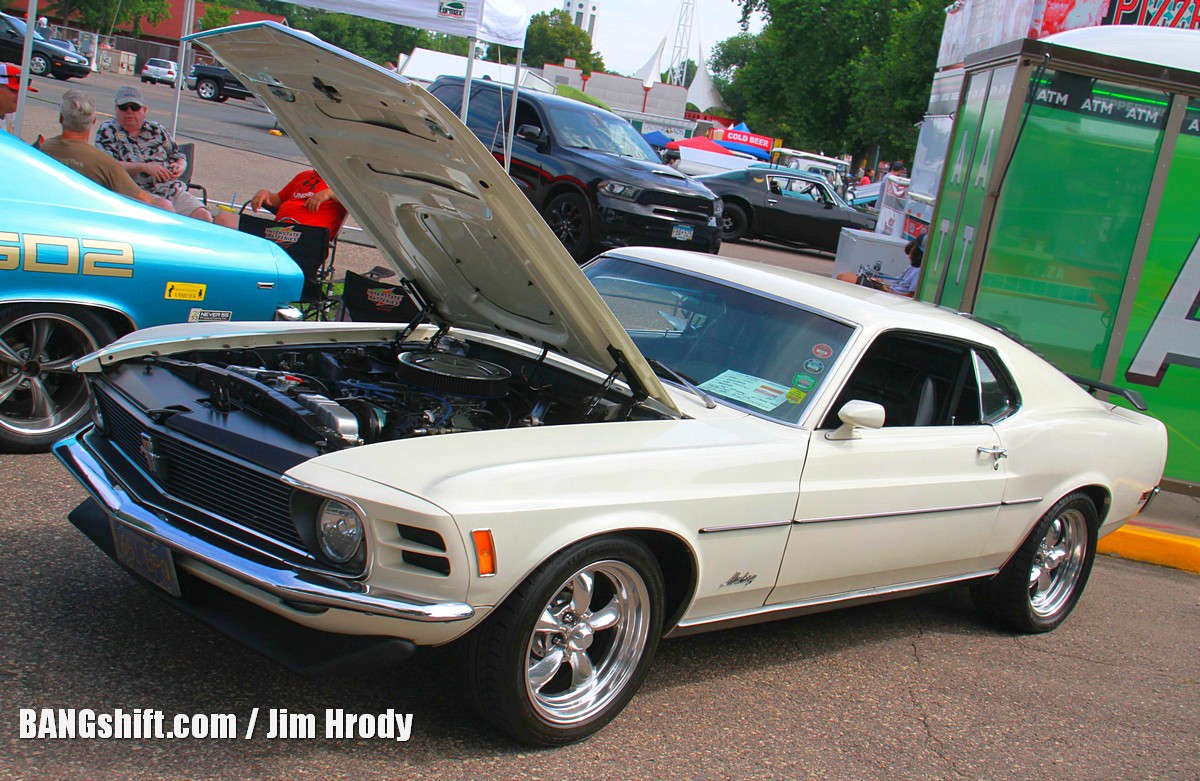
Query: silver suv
158, 71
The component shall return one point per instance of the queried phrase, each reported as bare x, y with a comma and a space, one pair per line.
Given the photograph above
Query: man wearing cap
148, 153
77, 114
10, 87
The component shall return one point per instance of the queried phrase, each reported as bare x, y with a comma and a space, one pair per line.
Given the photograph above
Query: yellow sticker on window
795, 396
185, 291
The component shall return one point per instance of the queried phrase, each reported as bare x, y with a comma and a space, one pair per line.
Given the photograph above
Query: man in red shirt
306, 200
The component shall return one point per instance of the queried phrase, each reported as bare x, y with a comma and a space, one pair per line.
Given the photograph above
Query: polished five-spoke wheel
41, 398
1040, 585
587, 642
567, 651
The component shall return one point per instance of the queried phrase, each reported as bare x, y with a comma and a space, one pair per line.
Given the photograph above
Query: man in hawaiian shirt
151, 156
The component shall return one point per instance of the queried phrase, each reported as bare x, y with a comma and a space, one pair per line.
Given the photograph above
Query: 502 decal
65, 255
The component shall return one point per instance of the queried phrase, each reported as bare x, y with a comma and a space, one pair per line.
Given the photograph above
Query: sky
629, 31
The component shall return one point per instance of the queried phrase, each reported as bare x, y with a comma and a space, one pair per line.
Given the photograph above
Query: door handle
772, 201
995, 452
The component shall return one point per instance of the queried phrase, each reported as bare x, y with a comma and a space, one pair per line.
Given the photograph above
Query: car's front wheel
567, 215
569, 648
733, 223
1040, 585
39, 65
208, 89
41, 398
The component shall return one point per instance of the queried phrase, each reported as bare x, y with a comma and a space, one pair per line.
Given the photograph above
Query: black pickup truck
213, 82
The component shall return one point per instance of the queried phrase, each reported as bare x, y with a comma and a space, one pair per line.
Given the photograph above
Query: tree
106, 15
552, 38
371, 39
833, 77
215, 16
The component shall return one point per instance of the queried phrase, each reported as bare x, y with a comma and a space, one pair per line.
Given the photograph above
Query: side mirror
855, 415
529, 132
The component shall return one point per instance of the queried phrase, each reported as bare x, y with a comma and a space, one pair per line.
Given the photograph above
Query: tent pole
189, 18
26, 56
462, 114
512, 113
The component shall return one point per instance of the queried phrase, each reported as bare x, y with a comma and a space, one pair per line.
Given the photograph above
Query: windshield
601, 131
20, 27
742, 348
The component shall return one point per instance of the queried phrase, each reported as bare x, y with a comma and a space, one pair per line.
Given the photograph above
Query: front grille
676, 205
204, 478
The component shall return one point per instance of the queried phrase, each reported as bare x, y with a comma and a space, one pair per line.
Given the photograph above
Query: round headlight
339, 531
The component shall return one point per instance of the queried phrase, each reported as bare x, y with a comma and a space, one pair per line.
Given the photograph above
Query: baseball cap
10, 76
129, 95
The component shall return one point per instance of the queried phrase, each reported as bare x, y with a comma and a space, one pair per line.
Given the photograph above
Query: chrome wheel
207, 89
568, 649
39, 65
587, 642
1058, 563
1038, 588
41, 398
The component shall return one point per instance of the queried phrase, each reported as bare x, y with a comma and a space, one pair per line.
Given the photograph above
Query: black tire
39, 65
570, 219
41, 399
1040, 585
208, 90
566, 652
733, 223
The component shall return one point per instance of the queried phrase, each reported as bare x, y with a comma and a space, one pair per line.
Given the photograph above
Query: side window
527, 115
918, 379
450, 95
485, 116
998, 398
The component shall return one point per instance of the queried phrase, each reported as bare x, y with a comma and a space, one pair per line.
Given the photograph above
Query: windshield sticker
744, 388
813, 366
796, 396
804, 381
823, 351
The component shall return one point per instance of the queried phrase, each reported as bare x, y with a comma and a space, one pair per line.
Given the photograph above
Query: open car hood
441, 209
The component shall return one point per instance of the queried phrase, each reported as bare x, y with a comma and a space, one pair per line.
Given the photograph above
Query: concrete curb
1154, 547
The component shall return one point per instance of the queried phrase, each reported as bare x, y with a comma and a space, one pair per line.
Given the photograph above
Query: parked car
212, 82
47, 59
559, 469
157, 71
80, 266
778, 204
592, 177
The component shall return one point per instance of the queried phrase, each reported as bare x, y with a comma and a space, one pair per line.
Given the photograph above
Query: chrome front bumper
295, 587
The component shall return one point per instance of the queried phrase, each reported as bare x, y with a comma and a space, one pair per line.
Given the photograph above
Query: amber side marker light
485, 551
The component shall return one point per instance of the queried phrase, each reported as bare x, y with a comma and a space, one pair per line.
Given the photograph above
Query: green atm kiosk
1070, 213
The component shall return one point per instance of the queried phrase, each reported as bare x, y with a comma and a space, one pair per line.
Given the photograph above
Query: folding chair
367, 300
313, 250
189, 151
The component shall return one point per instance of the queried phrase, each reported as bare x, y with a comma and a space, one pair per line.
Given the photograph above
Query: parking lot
915, 689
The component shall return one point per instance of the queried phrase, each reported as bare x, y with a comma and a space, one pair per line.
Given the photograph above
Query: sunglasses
129, 107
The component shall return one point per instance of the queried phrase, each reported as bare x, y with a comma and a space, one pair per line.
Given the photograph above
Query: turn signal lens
485, 551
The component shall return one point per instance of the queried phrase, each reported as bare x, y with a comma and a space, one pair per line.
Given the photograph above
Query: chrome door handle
995, 452
772, 201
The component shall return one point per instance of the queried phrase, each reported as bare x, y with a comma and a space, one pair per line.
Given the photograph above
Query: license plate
145, 556
682, 232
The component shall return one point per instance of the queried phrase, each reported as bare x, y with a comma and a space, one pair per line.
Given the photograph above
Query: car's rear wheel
1040, 585
569, 648
733, 223
39, 65
208, 89
567, 215
41, 399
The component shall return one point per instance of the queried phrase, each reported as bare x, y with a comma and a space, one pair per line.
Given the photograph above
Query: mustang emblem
740, 579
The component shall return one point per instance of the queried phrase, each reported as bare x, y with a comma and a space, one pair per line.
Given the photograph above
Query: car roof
545, 98
875, 309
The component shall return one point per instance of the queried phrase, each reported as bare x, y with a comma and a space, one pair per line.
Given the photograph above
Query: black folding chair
313, 250
189, 151
367, 300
